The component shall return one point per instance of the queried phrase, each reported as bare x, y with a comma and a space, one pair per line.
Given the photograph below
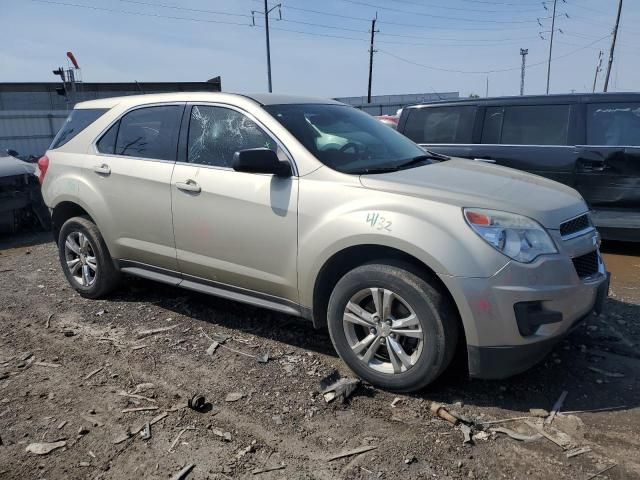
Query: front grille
575, 225
586, 265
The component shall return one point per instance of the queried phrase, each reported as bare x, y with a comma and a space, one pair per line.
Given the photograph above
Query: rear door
534, 138
129, 173
608, 166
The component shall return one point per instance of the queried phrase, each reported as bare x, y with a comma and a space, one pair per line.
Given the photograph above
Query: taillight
43, 165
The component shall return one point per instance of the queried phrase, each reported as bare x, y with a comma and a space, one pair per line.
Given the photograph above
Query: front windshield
346, 139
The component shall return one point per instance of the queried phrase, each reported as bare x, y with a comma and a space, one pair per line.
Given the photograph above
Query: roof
211, 85
261, 98
537, 99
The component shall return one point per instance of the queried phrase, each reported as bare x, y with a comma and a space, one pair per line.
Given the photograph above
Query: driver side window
217, 133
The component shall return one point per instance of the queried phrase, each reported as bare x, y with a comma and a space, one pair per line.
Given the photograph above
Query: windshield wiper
412, 162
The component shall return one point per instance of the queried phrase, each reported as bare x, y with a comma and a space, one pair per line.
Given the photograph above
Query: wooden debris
135, 395
268, 469
138, 347
350, 453
516, 435
153, 421
47, 364
233, 397
606, 373
603, 409
504, 420
556, 408
182, 474
139, 409
48, 324
546, 435
602, 471
122, 438
578, 451
175, 441
62, 424
439, 410
44, 448
147, 333
92, 373
333, 387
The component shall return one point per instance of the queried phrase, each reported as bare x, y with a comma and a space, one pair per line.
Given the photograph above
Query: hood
11, 166
467, 183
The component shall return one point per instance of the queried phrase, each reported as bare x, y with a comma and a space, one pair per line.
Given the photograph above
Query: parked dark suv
590, 142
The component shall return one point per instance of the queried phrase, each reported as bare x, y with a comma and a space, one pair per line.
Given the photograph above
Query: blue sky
423, 45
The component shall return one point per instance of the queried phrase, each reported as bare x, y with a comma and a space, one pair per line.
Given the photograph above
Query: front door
233, 228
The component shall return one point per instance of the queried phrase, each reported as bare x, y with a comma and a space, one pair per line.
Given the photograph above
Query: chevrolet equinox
313, 208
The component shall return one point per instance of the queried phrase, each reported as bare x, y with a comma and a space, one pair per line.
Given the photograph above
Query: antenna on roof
139, 87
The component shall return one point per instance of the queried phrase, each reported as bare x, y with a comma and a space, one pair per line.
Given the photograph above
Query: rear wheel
391, 327
85, 259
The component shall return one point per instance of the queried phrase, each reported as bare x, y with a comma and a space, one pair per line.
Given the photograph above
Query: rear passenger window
77, 121
613, 124
149, 132
440, 124
217, 133
527, 125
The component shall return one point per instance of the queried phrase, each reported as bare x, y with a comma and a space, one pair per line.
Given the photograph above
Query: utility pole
553, 28
267, 11
598, 69
371, 52
613, 46
523, 52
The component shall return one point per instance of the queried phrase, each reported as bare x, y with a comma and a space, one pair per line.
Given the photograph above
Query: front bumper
496, 345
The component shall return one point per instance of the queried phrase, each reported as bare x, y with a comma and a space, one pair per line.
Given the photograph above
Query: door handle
103, 169
189, 186
485, 160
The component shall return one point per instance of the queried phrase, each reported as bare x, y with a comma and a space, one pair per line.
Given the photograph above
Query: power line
175, 7
442, 17
484, 72
460, 9
155, 15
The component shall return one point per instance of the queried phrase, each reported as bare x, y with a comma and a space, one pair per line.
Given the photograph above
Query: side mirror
260, 160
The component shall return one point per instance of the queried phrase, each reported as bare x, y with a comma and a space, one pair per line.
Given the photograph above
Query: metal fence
29, 132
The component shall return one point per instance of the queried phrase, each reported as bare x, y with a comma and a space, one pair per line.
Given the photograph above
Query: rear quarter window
616, 124
76, 122
440, 124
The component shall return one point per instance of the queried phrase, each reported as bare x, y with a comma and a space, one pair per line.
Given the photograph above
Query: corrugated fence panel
29, 132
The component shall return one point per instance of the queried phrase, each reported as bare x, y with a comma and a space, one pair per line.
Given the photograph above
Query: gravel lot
70, 369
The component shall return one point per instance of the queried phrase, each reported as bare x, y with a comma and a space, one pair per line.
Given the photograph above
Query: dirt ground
70, 368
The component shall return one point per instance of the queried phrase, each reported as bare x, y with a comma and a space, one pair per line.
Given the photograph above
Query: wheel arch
65, 210
342, 261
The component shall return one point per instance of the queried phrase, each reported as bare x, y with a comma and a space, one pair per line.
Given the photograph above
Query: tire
80, 247
411, 296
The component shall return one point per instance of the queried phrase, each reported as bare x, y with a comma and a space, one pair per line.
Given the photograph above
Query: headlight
516, 236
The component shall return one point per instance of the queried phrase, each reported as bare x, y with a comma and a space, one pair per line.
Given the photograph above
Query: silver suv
313, 208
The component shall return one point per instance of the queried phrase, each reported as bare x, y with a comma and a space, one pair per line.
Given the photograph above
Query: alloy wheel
81, 259
383, 330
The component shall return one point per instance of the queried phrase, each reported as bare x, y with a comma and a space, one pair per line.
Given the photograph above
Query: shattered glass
216, 133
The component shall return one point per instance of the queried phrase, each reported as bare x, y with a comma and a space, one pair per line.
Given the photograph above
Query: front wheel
85, 260
391, 327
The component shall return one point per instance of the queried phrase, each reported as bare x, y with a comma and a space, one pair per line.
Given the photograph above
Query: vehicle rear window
440, 124
76, 122
150, 132
613, 124
526, 125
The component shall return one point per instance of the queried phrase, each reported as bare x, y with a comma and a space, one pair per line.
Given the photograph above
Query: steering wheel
356, 148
